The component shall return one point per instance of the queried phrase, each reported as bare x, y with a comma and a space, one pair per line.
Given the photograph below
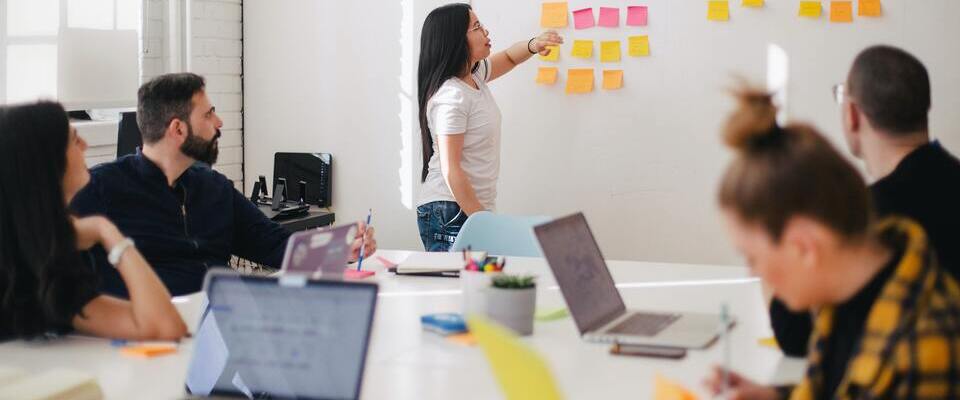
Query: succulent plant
513, 282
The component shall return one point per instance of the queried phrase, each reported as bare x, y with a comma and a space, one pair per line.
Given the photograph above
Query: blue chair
502, 235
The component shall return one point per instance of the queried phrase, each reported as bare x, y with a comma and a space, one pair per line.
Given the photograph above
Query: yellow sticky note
718, 10
547, 75
639, 46
869, 8
579, 80
553, 15
753, 3
582, 48
841, 11
610, 51
769, 342
664, 389
810, 9
612, 79
553, 55
521, 372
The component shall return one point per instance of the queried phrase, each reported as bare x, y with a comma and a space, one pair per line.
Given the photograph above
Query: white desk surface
405, 362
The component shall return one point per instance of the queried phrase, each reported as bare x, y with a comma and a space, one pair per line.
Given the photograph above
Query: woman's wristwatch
117, 251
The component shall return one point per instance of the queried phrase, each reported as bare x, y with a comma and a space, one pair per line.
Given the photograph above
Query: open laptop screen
263, 339
577, 264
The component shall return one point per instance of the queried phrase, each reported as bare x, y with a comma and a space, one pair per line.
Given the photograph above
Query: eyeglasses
839, 93
476, 27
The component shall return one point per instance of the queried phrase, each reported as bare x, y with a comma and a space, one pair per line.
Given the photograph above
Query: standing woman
459, 119
47, 282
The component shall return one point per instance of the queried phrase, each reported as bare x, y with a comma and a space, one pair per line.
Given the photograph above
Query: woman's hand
548, 38
740, 388
95, 230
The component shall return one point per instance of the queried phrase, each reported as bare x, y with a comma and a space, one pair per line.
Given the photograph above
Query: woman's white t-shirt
458, 108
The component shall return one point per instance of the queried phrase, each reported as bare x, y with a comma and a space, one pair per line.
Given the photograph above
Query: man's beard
199, 149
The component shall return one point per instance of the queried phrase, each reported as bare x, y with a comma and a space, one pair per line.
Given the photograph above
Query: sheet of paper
547, 75
637, 15
810, 9
869, 8
521, 372
841, 11
583, 18
610, 51
609, 17
718, 10
612, 79
579, 80
639, 46
553, 15
753, 3
582, 48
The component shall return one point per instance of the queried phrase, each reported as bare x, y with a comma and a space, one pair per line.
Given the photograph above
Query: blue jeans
439, 224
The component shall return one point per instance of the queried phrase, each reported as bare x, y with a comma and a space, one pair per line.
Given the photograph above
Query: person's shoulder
451, 92
209, 175
115, 168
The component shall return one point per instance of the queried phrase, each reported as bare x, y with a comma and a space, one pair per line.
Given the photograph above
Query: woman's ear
804, 241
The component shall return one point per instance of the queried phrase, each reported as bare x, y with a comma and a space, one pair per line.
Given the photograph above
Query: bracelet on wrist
117, 251
528, 45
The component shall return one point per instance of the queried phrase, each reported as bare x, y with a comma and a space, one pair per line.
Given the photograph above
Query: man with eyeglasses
884, 106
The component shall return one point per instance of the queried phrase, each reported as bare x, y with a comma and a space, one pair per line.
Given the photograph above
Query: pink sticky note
609, 17
637, 15
583, 19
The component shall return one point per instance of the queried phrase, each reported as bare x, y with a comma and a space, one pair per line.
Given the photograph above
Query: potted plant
511, 301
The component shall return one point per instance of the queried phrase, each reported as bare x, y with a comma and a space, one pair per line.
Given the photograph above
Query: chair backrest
503, 235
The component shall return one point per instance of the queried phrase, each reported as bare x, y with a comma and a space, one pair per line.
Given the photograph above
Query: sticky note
547, 75
841, 11
583, 18
637, 15
718, 10
665, 389
553, 55
769, 342
553, 15
610, 51
753, 3
869, 8
612, 79
609, 17
465, 339
551, 315
810, 9
521, 372
639, 46
579, 80
582, 48
148, 350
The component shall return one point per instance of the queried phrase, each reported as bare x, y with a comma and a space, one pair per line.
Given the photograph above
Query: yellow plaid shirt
911, 342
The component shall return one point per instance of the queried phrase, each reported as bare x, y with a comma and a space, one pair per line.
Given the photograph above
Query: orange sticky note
639, 46
554, 54
718, 10
869, 8
810, 9
553, 15
582, 48
148, 350
612, 79
841, 11
665, 389
547, 75
753, 3
610, 51
466, 339
579, 80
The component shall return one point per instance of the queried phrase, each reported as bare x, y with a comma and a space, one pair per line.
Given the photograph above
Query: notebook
436, 264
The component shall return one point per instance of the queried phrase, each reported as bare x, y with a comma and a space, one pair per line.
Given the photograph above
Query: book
436, 263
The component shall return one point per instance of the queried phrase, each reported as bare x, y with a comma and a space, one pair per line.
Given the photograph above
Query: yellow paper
553, 15
869, 8
841, 11
664, 389
769, 342
610, 51
639, 46
612, 79
521, 372
547, 75
810, 9
718, 10
579, 80
554, 54
753, 3
582, 48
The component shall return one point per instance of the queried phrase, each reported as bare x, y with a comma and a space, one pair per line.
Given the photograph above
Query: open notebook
59, 383
436, 264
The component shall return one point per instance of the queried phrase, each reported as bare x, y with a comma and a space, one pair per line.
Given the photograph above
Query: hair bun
754, 120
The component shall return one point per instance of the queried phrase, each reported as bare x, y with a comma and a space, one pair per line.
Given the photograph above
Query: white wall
643, 162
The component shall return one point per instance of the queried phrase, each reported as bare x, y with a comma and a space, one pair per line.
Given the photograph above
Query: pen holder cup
512, 308
473, 285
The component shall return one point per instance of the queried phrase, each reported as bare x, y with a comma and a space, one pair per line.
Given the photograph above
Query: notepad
810, 9
639, 46
435, 263
718, 10
547, 75
553, 55
583, 18
841, 11
579, 80
582, 49
553, 15
610, 51
612, 79
57, 383
869, 8
609, 17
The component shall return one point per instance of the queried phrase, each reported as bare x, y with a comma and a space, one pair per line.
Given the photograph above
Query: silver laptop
287, 337
596, 305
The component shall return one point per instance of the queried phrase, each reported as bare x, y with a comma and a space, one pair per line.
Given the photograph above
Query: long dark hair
444, 53
40, 269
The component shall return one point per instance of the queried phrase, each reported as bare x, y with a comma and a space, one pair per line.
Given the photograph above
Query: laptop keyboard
644, 324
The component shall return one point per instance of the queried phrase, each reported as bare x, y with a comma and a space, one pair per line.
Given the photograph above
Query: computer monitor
316, 169
128, 135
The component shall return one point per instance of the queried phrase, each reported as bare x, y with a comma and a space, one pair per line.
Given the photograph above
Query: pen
364, 239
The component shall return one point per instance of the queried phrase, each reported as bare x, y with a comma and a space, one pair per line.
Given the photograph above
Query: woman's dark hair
779, 173
40, 267
444, 53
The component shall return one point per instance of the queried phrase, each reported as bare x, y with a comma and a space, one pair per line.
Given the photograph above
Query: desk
406, 363
314, 218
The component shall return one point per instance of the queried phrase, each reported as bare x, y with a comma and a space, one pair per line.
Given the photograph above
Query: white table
405, 362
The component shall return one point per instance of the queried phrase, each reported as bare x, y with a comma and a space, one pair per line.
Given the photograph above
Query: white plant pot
473, 285
512, 308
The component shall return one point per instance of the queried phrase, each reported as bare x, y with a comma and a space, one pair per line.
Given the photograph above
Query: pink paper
609, 17
637, 15
583, 19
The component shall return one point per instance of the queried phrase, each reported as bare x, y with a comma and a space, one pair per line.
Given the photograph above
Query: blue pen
363, 239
